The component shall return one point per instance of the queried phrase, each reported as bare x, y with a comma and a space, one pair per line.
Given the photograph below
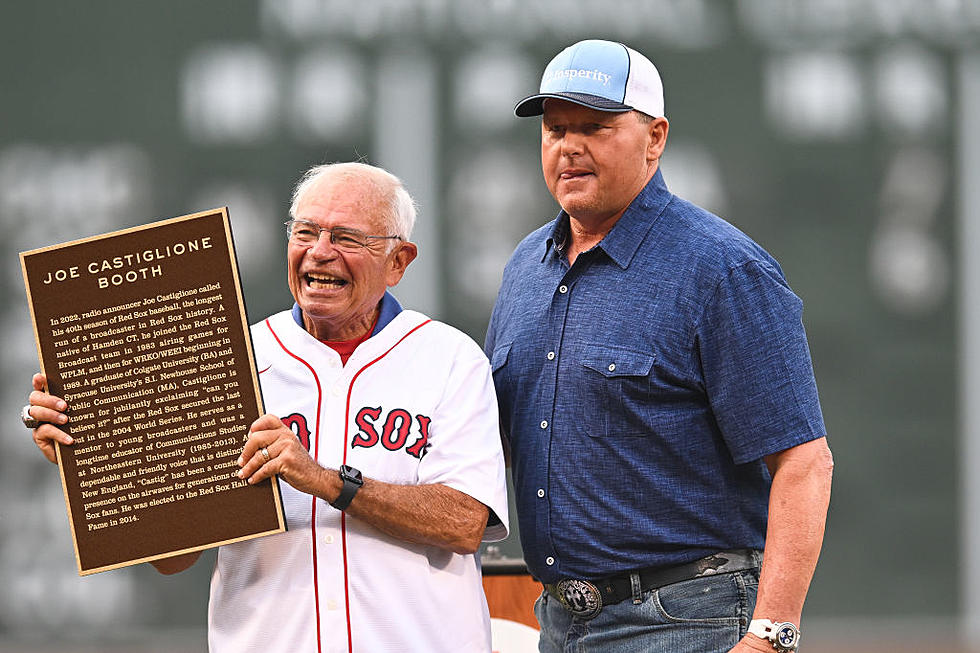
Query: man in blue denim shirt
655, 390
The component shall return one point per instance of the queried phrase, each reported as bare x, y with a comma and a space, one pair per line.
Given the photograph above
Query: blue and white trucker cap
602, 75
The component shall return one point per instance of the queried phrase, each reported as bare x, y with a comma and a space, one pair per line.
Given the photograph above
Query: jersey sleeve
756, 363
464, 438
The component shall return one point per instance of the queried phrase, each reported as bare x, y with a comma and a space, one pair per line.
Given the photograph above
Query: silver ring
25, 417
265, 454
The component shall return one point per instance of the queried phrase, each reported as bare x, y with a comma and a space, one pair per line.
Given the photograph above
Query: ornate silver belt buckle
580, 597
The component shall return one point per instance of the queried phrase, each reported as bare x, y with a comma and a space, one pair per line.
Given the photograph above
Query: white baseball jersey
414, 404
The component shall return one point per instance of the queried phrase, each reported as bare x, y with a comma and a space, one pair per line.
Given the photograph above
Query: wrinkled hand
287, 457
50, 410
751, 643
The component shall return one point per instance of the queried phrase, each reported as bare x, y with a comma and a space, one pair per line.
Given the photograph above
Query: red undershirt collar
346, 347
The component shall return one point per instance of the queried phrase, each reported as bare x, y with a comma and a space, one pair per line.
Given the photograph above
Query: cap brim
534, 104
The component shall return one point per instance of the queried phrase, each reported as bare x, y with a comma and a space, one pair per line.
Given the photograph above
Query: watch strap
761, 628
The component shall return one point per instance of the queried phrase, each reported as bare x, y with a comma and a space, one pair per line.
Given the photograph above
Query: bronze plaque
143, 332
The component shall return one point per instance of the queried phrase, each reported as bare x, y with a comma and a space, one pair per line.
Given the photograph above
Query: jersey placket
327, 524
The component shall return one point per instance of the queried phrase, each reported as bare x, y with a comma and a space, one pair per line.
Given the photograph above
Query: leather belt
585, 598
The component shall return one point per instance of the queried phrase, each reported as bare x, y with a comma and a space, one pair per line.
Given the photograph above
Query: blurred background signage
838, 133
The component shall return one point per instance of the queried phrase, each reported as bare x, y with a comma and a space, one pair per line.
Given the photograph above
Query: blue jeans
703, 615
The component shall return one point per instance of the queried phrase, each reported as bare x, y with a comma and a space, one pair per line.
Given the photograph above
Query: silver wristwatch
784, 635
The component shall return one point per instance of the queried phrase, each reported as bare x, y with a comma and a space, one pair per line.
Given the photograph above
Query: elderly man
387, 560
656, 392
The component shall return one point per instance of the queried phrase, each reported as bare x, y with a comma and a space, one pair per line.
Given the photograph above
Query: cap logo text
578, 72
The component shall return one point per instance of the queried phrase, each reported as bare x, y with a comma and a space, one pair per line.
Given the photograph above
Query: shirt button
331, 605
563, 289
328, 539
549, 561
612, 367
541, 492
551, 355
544, 423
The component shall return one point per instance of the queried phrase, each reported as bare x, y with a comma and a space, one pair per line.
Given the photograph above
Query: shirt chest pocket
614, 392
499, 357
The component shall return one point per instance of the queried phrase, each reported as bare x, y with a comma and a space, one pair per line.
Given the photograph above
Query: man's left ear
399, 260
658, 137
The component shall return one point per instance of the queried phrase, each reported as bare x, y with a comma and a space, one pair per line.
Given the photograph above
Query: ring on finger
265, 453
27, 419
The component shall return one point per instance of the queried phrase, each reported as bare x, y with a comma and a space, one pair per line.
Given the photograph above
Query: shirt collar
390, 308
623, 240
558, 238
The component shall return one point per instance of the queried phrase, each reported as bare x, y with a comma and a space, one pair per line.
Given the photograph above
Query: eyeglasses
303, 232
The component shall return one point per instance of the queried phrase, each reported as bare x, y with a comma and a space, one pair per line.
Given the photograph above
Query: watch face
787, 637
351, 474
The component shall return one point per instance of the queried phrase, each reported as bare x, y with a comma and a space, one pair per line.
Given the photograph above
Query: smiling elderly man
384, 561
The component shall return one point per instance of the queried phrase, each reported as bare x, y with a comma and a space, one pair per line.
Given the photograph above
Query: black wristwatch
352, 483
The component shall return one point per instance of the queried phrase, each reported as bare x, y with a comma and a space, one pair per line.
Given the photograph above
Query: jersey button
328, 539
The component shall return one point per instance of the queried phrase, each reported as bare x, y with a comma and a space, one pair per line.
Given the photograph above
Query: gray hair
399, 212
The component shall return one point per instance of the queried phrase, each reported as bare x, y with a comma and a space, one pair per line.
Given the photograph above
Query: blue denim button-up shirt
641, 387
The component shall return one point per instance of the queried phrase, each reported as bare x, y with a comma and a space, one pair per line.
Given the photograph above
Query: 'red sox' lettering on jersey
297, 423
395, 432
